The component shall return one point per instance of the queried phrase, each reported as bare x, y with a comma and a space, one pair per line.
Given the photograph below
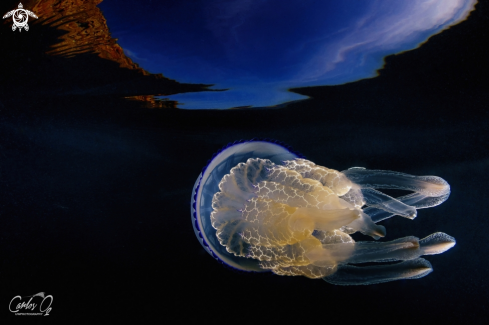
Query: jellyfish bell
259, 206
207, 185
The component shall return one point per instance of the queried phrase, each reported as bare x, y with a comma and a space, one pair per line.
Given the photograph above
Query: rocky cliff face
71, 42
85, 26
86, 29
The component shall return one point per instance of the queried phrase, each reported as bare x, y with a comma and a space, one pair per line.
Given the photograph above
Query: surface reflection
260, 49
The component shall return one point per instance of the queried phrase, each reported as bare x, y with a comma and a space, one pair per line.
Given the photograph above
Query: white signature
29, 307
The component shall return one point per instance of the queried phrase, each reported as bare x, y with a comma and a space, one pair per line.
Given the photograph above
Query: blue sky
260, 48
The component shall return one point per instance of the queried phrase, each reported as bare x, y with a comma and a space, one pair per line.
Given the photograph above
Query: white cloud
385, 27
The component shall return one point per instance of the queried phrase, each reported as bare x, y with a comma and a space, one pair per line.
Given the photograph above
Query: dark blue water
95, 189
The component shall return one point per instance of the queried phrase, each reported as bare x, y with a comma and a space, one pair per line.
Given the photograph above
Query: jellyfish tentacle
406, 248
416, 200
353, 275
429, 191
366, 226
420, 201
436, 243
432, 186
387, 203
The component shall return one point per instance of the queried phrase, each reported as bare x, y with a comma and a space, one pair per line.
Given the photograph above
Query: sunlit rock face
71, 40
86, 29
259, 49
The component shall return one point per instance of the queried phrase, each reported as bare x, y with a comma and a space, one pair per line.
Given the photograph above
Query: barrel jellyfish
259, 206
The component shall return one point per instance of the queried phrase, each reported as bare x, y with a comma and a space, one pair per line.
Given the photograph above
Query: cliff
69, 51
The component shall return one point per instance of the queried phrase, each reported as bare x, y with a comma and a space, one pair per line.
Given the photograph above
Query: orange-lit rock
86, 28
69, 51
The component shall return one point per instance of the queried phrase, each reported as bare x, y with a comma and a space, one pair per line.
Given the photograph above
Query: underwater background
98, 161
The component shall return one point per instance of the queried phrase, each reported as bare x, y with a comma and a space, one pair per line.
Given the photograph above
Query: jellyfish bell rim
231, 155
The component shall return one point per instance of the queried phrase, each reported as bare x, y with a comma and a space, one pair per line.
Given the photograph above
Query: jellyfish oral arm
365, 275
401, 249
427, 185
428, 191
389, 204
407, 249
415, 200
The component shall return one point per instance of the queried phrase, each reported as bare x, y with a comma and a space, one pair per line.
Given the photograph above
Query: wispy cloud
384, 28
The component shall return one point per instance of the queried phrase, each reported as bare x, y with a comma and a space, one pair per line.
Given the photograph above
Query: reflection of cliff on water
69, 51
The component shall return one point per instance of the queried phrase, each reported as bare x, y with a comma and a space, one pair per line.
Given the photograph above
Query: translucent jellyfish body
258, 206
